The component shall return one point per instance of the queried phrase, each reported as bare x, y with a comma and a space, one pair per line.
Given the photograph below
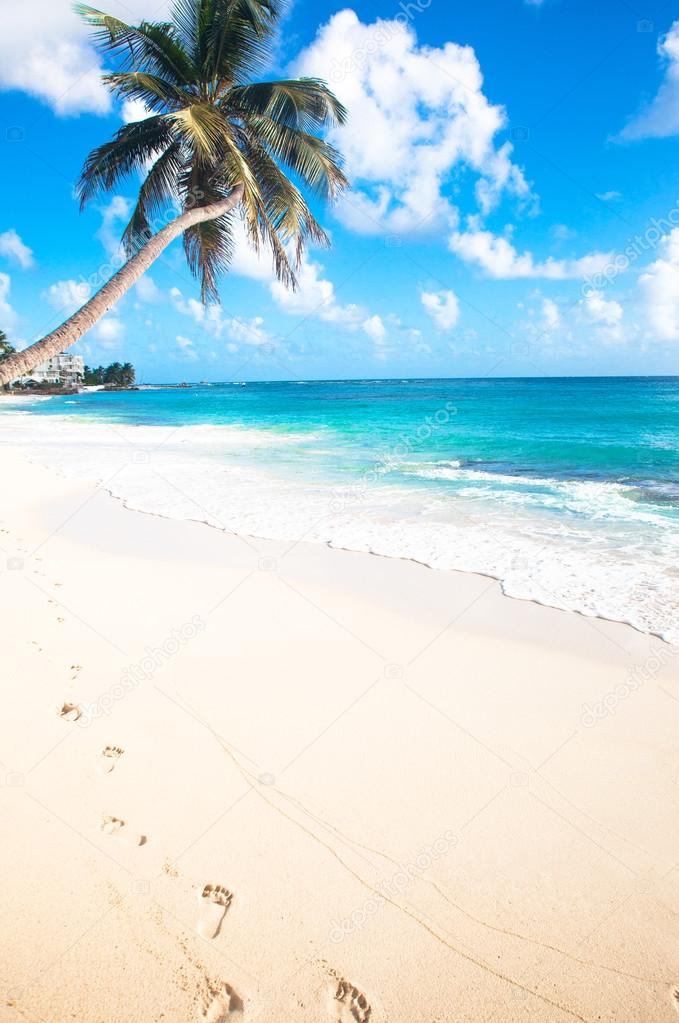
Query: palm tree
5, 347
215, 146
127, 375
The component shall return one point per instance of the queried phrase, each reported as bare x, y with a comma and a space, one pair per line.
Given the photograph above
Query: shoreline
282, 709
329, 545
259, 513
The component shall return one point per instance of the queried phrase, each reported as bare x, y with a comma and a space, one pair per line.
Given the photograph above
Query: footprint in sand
69, 711
114, 826
348, 1004
220, 1002
674, 995
109, 756
214, 900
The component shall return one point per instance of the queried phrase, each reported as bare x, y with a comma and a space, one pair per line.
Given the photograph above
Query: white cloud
498, 257
189, 307
246, 261
249, 332
185, 346
14, 248
113, 217
375, 329
417, 117
68, 296
659, 289
147, 289
443, 307
46, 50
109, 331
212, 319
661, 117
562, 232
601, 310
611, 196
315, 295
134, 110
551, 317
603, 315
8, 316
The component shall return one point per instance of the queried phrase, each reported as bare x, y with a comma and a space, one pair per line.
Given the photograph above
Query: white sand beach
336, 787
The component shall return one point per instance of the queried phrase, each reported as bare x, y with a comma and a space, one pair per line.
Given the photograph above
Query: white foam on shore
580, 546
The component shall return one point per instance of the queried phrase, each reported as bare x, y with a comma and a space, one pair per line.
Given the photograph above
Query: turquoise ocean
566, 490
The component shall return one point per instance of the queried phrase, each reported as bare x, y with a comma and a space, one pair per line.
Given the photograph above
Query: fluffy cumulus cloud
551, 317
67, 296
213, 320
46, 50
605, 315
186, 349
661, 117
315, 295
109, 331
602, 310
147, 290
417, 117
659, 290
14, 249
498, 257
375, 329
443, 307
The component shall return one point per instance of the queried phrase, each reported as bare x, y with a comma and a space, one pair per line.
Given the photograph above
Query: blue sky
514, 208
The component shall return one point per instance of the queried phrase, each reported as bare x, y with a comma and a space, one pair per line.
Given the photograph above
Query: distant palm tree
6, 349
213, 147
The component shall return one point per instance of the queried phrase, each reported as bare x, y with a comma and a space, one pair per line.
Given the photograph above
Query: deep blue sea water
565, 489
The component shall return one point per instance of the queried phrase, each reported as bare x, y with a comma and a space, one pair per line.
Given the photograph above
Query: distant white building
61, 370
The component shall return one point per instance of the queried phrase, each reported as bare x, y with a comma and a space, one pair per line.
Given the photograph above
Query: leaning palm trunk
23, 363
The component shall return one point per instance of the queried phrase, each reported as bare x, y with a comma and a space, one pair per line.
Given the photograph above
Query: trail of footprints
346, 1004
220, 1003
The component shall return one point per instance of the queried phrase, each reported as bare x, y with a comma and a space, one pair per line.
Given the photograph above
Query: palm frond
155, 92
314, 160
131, 148
286, 210
150, 46
306, 104
208, 246
236, 38
158, 199
202, 128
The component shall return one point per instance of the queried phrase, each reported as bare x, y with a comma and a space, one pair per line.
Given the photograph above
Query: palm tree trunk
22, 363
